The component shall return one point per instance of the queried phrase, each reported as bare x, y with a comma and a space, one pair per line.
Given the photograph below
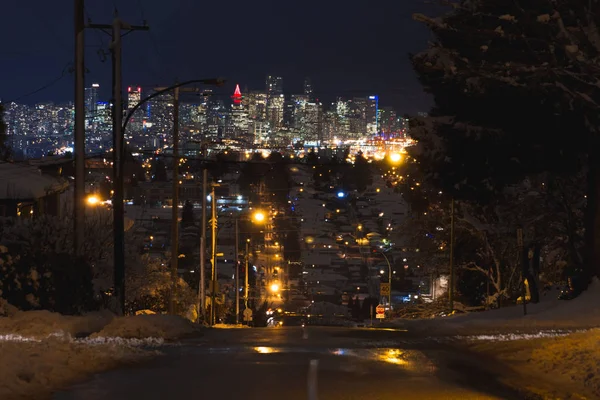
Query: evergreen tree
511, 80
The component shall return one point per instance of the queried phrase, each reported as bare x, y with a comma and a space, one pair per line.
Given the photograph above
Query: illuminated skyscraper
237, 96
134, 95
91, 98
91, 104
239, 115
257, 105
358, 117
274, 86
371, 114
308, 89
275, 106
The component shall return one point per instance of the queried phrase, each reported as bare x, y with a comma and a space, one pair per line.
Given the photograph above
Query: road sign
247, 315
384, 289
380, 310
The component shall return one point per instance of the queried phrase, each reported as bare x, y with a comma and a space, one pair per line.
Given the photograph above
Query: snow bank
230, 326
550, 313
41, 324
572, 362
168, 327
33, 369
42, 351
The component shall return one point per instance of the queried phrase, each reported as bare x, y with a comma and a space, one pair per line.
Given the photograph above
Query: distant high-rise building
274, 86
91, 104
257, 105
91, 98
298, 113
237, 96
308, 88
312, 127
371, 114
388, 121
275, 108
239, 115
134, 96
358, 117
343, 115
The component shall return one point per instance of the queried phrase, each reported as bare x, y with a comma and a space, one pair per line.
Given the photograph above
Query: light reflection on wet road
275, 364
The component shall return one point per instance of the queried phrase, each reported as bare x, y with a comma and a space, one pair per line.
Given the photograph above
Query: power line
68, 69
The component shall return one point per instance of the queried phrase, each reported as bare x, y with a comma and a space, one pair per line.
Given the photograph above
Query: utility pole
237, 272
451, 280
79, 131
118, 158
246, 285
202, 288
175, 194
175, 205
213, 289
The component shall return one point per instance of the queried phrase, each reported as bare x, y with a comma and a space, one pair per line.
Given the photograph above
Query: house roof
24, 182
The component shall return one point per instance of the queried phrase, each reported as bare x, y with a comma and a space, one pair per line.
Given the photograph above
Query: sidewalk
549, 314
554, 350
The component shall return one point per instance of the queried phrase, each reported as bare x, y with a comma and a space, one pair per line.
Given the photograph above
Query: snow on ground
554, 367
550, 313
33, 369
230, 326
41, 324
168, 327
42, 351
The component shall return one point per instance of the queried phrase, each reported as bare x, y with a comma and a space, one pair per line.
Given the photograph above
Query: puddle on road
409, 360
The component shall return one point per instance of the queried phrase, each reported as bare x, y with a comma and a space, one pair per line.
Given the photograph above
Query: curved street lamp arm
211, 81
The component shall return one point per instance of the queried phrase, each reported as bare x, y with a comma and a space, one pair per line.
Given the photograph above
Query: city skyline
223, 93
346, 51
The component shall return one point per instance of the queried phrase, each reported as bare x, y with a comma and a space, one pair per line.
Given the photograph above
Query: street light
275, 287
389, 278
259, 216
395, 157
93, 200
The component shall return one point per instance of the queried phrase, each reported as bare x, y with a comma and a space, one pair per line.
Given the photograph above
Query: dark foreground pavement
292, 363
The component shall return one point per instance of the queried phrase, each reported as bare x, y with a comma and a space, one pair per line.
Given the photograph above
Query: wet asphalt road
292, 363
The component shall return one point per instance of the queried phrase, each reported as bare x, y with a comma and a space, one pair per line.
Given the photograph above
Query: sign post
247, 315
380, 310
384, 289
520, 246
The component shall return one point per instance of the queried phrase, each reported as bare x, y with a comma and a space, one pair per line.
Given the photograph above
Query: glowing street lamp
395, 157
275, 288
259, 216
93, 200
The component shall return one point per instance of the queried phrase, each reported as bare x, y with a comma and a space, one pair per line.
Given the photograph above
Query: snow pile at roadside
42, 351
575, 357
550, 313
553, 366
33, 369
167, 327
515, 336
41, 324
230, 326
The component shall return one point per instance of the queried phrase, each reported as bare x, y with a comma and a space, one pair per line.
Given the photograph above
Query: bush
55, 282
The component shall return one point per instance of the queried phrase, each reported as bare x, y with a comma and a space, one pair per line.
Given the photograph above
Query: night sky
353, 47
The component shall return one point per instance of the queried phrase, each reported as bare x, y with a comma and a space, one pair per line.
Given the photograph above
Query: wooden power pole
79, 131
118, 157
